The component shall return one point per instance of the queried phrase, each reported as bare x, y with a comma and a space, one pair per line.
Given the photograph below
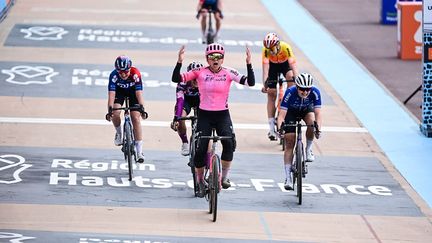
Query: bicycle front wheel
128, 148
299, 168
215, 185
192, 164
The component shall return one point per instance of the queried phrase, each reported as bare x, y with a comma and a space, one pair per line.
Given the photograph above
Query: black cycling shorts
122, 93
274, 70
189, 103
293, 116
221, 121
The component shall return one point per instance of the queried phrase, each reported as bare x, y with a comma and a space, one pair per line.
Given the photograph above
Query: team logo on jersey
44, 33
11, 165
13, 237
30, 74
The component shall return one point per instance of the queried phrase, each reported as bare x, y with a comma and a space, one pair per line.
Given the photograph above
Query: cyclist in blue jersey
302, 101
187, 97
125, 81
216, 6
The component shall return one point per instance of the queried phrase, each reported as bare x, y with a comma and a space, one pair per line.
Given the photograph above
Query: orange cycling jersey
284, 53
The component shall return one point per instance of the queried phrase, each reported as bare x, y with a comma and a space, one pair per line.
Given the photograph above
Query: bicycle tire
128, 148
215, 185
299, 168
192, 164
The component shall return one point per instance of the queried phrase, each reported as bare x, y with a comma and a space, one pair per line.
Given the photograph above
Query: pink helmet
215, 48
271, 40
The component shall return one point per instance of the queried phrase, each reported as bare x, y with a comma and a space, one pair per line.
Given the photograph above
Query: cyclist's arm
176, 77
179, 103
318, 117
111, 97
140, 97
281, 117
293, 64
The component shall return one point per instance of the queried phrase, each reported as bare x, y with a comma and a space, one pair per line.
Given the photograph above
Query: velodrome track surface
61, 179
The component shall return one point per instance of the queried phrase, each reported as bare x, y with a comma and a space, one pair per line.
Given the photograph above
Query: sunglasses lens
215, 56
304, 89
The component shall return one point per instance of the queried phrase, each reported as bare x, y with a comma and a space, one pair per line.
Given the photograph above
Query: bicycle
210, 33
299, 167
128, 146
213, 173
192, 147
281, 91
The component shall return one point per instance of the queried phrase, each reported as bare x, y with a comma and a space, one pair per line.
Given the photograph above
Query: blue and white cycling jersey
293, 102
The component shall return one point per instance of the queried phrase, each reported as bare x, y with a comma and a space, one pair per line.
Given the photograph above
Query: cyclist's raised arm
250, 73
176, 77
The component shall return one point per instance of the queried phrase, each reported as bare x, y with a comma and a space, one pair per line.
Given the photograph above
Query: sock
225, 172
287, 171
309, 144
200, 176
138, 146
183, 138
271, 122
118, 129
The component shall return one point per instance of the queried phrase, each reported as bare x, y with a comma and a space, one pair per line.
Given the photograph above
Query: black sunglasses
303, 89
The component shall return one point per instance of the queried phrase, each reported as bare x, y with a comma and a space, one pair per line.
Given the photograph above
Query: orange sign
410, 30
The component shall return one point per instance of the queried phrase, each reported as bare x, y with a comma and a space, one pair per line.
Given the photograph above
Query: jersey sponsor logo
11, 166
25, 75
41, 33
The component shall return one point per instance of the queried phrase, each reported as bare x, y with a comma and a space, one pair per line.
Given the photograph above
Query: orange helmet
271, 40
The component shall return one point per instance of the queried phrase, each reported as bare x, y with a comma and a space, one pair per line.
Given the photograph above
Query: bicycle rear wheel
128, 148
299, 168
215, 185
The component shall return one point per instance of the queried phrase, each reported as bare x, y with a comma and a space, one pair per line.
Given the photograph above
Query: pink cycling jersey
213, 87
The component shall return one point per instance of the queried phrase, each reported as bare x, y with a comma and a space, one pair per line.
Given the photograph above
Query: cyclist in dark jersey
302, 101
216, 6
125, 81
187, 97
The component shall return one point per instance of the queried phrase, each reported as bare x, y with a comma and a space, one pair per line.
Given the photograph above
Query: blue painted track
395, 131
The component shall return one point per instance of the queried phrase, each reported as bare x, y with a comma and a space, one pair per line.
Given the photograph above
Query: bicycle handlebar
216, 138
187, 118
127, 108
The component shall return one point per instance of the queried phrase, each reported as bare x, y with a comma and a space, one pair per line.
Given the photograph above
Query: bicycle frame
128, 147
299, 167
213, 172
192, 147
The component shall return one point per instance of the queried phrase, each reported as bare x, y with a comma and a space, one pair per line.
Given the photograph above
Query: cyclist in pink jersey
214, 82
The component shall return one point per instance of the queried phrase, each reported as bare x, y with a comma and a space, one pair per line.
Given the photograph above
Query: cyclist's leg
289, 138
309, 118
137, 129
204, 129
203, 14
271, 99
116, 119
289, 74
224, 128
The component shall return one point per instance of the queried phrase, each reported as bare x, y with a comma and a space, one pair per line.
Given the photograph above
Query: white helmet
304, 80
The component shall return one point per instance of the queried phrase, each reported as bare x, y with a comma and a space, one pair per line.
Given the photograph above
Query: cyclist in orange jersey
277, 57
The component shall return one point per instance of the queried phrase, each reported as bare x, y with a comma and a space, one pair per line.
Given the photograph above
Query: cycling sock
138, 146
288, 171
118, 129
309, 144
271, 122
183, 138
225, 172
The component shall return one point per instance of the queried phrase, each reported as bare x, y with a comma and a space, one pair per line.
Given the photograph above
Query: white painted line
136, 12
243, 185
247, 126
179, 183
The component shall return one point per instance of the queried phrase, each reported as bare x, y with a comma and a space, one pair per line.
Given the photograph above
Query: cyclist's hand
317, 131
264, 90
174, 125
181, 54
248, 55
144, 115
108, 116
220, 14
